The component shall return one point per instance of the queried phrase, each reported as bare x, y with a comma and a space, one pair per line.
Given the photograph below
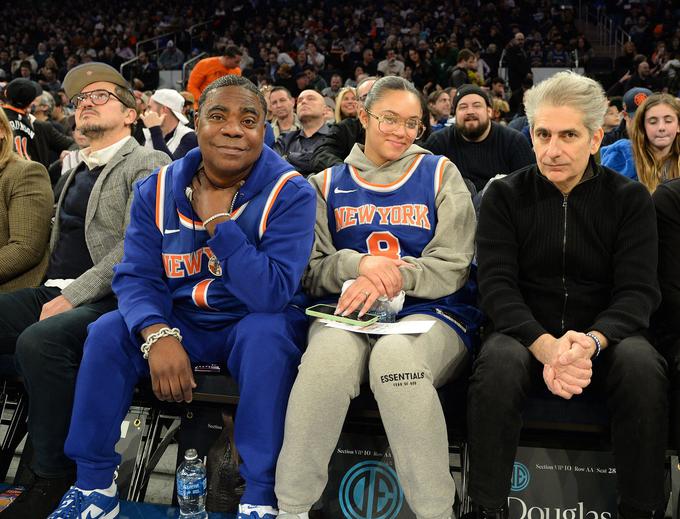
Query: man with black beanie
33, 140
479, 147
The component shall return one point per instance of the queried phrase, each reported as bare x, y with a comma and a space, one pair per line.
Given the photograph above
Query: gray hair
47, 100
569, 89
388, 83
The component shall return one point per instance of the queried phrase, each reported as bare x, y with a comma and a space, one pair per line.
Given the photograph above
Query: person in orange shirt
209, 69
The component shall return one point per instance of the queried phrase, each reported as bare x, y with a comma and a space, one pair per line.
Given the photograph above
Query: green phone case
340, 319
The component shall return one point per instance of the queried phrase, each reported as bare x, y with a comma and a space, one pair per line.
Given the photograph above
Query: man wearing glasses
46, 326
342, 136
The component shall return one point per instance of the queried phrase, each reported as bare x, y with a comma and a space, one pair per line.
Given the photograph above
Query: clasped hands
567, 368
378, 276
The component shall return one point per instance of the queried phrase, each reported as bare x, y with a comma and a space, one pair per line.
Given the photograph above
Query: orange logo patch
639, 98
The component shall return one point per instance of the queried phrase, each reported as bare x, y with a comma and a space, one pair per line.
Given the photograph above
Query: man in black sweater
567, 255
479, 147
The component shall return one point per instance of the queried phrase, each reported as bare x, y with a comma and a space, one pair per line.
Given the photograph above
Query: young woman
345, 104
655, 139
392, 218
25, 212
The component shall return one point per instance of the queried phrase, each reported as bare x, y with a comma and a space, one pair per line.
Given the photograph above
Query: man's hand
548, 348
384, 273
58, 305
171, 376
361, 294
567, 368
568, 380
625, 77
208, 200
582, 347
151, 118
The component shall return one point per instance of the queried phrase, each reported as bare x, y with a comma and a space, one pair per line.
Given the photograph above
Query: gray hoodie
444, 265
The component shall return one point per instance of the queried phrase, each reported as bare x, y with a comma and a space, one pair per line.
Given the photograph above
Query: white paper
401, 328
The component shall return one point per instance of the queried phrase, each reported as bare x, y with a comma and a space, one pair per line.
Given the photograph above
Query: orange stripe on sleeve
441, 175
272, 198
324, 189
160, 198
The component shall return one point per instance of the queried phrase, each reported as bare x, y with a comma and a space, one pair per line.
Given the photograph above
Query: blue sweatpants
262, 352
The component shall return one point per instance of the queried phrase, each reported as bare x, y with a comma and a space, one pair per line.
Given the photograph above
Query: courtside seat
13, 411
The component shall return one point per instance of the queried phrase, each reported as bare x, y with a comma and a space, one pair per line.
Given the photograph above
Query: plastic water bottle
192, 487
383, 309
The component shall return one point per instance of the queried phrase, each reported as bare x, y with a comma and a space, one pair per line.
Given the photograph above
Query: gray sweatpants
330, 375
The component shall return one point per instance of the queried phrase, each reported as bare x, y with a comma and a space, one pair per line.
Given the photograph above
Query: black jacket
667, 202
300, 151
338, 143
49, 142
615, 134
550, 263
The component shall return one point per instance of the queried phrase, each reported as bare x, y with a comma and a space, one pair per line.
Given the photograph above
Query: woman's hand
384, 273
361, 294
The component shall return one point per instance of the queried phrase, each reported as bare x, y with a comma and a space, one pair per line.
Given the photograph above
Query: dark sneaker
481, 512
39, 499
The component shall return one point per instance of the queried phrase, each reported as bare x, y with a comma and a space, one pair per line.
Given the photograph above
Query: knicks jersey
193, 272
393, 220
396, 220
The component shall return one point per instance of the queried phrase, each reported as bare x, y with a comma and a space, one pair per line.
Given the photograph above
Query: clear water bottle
192, 487
383, 309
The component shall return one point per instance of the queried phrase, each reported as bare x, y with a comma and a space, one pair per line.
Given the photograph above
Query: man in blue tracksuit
214, 252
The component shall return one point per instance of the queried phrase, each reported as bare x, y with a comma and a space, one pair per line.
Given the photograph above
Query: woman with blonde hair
346, 104
26, 202
655, 139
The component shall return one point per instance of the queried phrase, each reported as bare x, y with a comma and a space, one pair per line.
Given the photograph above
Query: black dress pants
47, 354
670, 347
630, 376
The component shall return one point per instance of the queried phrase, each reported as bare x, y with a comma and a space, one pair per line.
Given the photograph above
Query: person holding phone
392, 218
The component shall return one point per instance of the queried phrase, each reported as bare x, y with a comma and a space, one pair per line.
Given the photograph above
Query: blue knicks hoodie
253, 263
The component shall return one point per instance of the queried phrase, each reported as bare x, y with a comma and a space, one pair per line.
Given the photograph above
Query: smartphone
327, 312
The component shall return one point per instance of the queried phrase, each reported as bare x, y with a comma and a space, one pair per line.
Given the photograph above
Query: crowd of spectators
314, 66
303, 45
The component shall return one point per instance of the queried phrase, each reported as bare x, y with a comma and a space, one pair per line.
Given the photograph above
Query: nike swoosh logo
91, 512
170, 231
343, 191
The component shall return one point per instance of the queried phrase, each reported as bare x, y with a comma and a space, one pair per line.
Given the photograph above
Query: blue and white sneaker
88, 504
256, 512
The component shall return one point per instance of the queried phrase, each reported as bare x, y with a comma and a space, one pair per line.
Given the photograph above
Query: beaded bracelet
151, 339
598, 344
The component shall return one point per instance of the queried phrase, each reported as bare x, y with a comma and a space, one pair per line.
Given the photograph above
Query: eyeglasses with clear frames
388, 123
98, 97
